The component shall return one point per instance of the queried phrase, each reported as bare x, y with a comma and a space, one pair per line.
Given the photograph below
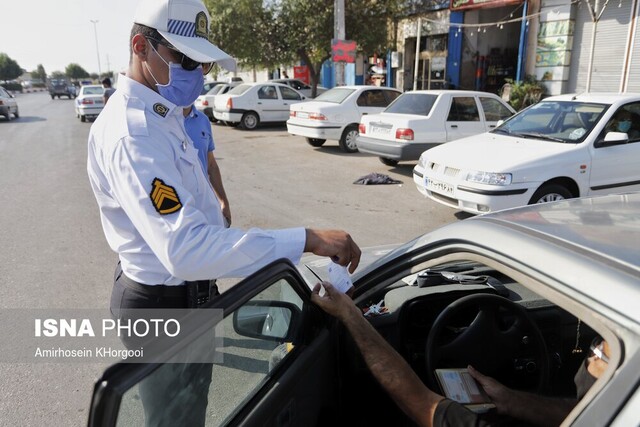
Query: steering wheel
501, 341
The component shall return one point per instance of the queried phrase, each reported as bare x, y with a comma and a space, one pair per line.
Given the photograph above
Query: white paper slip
339, 277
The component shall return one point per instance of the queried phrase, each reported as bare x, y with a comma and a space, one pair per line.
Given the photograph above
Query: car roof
601, 97
452, 91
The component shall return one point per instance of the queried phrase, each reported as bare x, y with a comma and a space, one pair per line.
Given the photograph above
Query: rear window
95, 90
239, 90
413, 103
336, 95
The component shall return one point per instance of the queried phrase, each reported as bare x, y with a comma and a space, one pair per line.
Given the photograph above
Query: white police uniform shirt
156, 205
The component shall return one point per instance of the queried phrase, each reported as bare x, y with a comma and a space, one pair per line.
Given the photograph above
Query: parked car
208, 86
564, 146
204, 102
335, 114
90, 102
301, 86
8, 104
423, 119
519, 294
60, 88
250, 104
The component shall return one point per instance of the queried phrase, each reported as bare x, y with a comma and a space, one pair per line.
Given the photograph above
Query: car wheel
316, 142
53, 97
8, 115
17, 113
348, 140
550, 193
83, 119
250, 121
388, 162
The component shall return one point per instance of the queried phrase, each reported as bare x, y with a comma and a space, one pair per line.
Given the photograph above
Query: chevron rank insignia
164, 198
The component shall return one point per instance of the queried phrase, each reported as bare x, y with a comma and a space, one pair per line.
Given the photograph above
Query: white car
204, 102
422, 119
336, 114
301, 86
564, 146
250, 104
89, 102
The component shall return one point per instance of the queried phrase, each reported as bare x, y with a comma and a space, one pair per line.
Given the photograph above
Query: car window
413, 103
372, 98
3, 93
92, 90
239, 90
463, 109
216, 89
627, 120
336, 95
267, 92
494, 110
391, 95
248, 347
288, 93
556, 121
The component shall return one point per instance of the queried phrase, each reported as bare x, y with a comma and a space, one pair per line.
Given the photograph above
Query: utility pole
339, 34
95, 33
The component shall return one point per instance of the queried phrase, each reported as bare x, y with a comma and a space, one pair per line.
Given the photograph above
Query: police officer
157, 209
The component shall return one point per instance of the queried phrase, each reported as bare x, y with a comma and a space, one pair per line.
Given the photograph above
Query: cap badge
202, 26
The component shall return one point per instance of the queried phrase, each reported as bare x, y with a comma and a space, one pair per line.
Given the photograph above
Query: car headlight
489, 178
423, 161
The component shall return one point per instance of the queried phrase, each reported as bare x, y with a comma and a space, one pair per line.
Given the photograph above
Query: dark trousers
175, 394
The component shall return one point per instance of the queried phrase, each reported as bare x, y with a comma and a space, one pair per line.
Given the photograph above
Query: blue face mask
624, 126
184, 86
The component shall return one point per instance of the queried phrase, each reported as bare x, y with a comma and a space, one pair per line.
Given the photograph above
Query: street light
95, 33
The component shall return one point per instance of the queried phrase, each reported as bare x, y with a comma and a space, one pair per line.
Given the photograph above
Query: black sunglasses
186, 62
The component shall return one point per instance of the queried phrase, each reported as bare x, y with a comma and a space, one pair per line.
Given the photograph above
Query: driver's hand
498, 393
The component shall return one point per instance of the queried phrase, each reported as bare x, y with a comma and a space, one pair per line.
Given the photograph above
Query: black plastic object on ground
376, 178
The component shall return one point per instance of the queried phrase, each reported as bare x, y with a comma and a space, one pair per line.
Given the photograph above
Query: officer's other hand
336, 244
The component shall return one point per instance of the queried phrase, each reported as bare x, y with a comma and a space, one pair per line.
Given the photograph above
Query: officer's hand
336, 244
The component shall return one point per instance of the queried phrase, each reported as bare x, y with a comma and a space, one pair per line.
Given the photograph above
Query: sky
55, 33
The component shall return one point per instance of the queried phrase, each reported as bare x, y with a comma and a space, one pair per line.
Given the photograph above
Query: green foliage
12, 86
58, 75
75, 71
525, 93
39, 73
9, 69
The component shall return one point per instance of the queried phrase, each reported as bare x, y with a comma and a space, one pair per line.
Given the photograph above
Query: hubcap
351, 140
552, 197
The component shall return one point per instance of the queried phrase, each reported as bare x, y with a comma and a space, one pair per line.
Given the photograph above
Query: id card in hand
339, 277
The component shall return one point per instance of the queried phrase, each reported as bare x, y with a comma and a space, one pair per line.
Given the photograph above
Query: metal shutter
633, 81
609, 50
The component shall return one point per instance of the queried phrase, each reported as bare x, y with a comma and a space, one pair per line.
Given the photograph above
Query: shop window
463, 109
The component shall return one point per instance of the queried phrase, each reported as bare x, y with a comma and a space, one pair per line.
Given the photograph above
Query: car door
289, 97
270, 104
614, 166
463, 118
277, 364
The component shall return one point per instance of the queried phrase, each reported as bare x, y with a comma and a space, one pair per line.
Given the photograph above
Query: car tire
388, 162
250, 121
17, 113
550, 193
348, 139
53, 97
83, 119
8, 116
316, 142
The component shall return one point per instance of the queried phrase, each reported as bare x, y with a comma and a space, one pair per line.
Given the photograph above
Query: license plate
380, 130
439, 187
302, 115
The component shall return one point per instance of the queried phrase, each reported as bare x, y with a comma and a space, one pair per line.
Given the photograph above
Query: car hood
495, 153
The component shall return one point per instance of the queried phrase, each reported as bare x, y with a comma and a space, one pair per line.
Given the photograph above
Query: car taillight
87, 101
1, 103
292, 113
406, 134
229, 104
317, 116
205, 103
362, 128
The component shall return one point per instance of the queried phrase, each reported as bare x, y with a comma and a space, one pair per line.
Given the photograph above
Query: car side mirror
613, 138
499, 123
267, 320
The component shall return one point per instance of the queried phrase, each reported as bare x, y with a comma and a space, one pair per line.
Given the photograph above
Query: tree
9, 69
39, 73
75, 71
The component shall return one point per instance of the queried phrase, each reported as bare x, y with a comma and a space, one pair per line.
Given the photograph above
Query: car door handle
259, 103
454, 126
492, 126
364, 114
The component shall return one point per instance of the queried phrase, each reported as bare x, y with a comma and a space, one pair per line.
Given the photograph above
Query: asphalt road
53, 253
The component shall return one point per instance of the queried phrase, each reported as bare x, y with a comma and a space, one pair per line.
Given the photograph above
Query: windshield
558, 121
335, 95
413, 103
240, 89
216, 89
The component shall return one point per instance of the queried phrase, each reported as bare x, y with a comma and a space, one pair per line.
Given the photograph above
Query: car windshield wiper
502, 130
540, 135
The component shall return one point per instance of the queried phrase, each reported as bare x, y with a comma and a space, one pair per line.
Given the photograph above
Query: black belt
195, 293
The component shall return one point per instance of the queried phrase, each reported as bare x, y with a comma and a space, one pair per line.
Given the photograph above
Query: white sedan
422, 119
336, 114
89, 102
250, 104
565, 146
301, 86
204, 102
